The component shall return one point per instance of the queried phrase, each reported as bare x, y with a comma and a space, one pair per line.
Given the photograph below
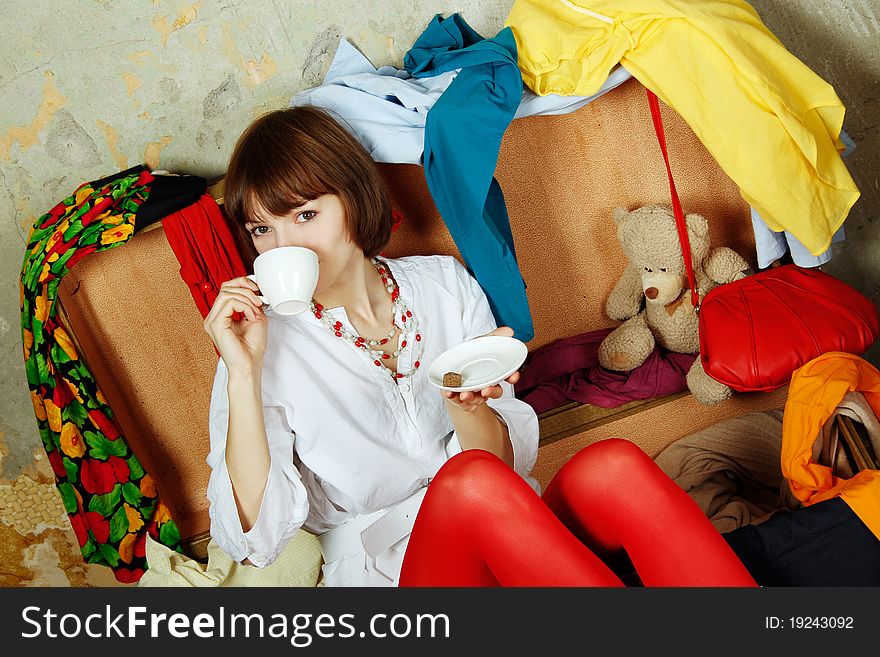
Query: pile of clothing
796, 513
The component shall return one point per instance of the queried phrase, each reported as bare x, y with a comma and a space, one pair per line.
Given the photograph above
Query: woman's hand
241, 342
470, 401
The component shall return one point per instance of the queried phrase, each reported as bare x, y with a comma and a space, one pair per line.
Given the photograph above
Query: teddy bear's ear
619, 214
697, 225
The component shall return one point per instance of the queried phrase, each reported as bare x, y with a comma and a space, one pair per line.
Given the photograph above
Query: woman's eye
259, 230
303, 217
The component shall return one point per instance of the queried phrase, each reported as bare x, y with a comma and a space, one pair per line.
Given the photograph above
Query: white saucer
482, 362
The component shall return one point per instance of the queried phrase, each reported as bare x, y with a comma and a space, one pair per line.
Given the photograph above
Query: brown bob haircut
290, 156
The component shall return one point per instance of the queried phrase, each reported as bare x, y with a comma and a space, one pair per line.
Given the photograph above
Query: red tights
480, 524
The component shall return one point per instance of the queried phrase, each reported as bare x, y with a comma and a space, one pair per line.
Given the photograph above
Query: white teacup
287, 276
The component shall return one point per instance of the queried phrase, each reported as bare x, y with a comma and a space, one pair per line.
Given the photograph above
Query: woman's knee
473, 467
606, 463
473, 478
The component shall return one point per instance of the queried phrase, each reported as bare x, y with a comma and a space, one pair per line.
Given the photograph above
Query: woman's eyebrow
300, 203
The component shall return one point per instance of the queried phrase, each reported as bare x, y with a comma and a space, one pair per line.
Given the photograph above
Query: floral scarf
111, 502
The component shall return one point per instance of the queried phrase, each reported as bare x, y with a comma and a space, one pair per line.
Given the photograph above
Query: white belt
373, 532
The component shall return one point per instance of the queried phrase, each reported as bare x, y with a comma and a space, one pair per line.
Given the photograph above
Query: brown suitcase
141, 334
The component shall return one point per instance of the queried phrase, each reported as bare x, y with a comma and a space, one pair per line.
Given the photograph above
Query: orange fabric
815, 391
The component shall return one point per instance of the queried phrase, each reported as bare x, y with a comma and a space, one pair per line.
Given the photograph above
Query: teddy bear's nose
652, 292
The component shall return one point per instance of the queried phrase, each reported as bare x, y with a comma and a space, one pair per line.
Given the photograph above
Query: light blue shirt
385, 108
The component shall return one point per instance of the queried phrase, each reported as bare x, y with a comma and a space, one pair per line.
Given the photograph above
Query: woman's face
318, 225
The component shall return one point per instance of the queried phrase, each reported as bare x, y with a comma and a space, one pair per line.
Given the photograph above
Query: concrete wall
88, 87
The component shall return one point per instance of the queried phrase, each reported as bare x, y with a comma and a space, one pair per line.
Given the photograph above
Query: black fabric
119, 174
825, 544
168, 194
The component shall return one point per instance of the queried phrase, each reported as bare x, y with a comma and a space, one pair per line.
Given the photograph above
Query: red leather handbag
756, 331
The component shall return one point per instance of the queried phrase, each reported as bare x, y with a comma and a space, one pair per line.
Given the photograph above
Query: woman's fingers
492, 393
471, 400
219, 307
240, 282
229, 303
242, 285
242, 295
467, 401
466, 406
233, 305
251, 295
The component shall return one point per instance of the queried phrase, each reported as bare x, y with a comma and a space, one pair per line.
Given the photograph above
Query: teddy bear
653, 299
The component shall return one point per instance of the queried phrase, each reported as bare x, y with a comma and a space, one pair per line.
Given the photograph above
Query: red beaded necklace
408, 325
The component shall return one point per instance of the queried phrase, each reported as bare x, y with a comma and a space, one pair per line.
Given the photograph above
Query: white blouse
344, 437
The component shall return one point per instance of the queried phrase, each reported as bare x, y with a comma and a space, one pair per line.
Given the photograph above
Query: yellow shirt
770, 122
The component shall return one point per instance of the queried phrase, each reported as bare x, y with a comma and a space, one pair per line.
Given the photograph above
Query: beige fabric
653, 428
731, 469
299, 564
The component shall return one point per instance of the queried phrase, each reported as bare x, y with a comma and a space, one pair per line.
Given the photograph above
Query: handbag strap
676, 203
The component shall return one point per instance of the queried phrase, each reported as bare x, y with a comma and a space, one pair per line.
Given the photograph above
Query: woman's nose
288, 242
288, 238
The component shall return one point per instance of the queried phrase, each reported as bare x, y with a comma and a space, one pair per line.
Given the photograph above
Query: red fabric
205, 248
480, 524
569, 370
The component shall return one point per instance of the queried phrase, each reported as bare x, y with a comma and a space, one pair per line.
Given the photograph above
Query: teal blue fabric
463, 135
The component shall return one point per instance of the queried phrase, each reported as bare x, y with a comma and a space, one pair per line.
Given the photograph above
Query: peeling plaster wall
88, 87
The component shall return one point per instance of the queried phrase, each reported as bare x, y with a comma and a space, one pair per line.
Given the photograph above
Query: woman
326, 420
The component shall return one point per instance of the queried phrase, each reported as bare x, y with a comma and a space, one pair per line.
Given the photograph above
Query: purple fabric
569, 370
